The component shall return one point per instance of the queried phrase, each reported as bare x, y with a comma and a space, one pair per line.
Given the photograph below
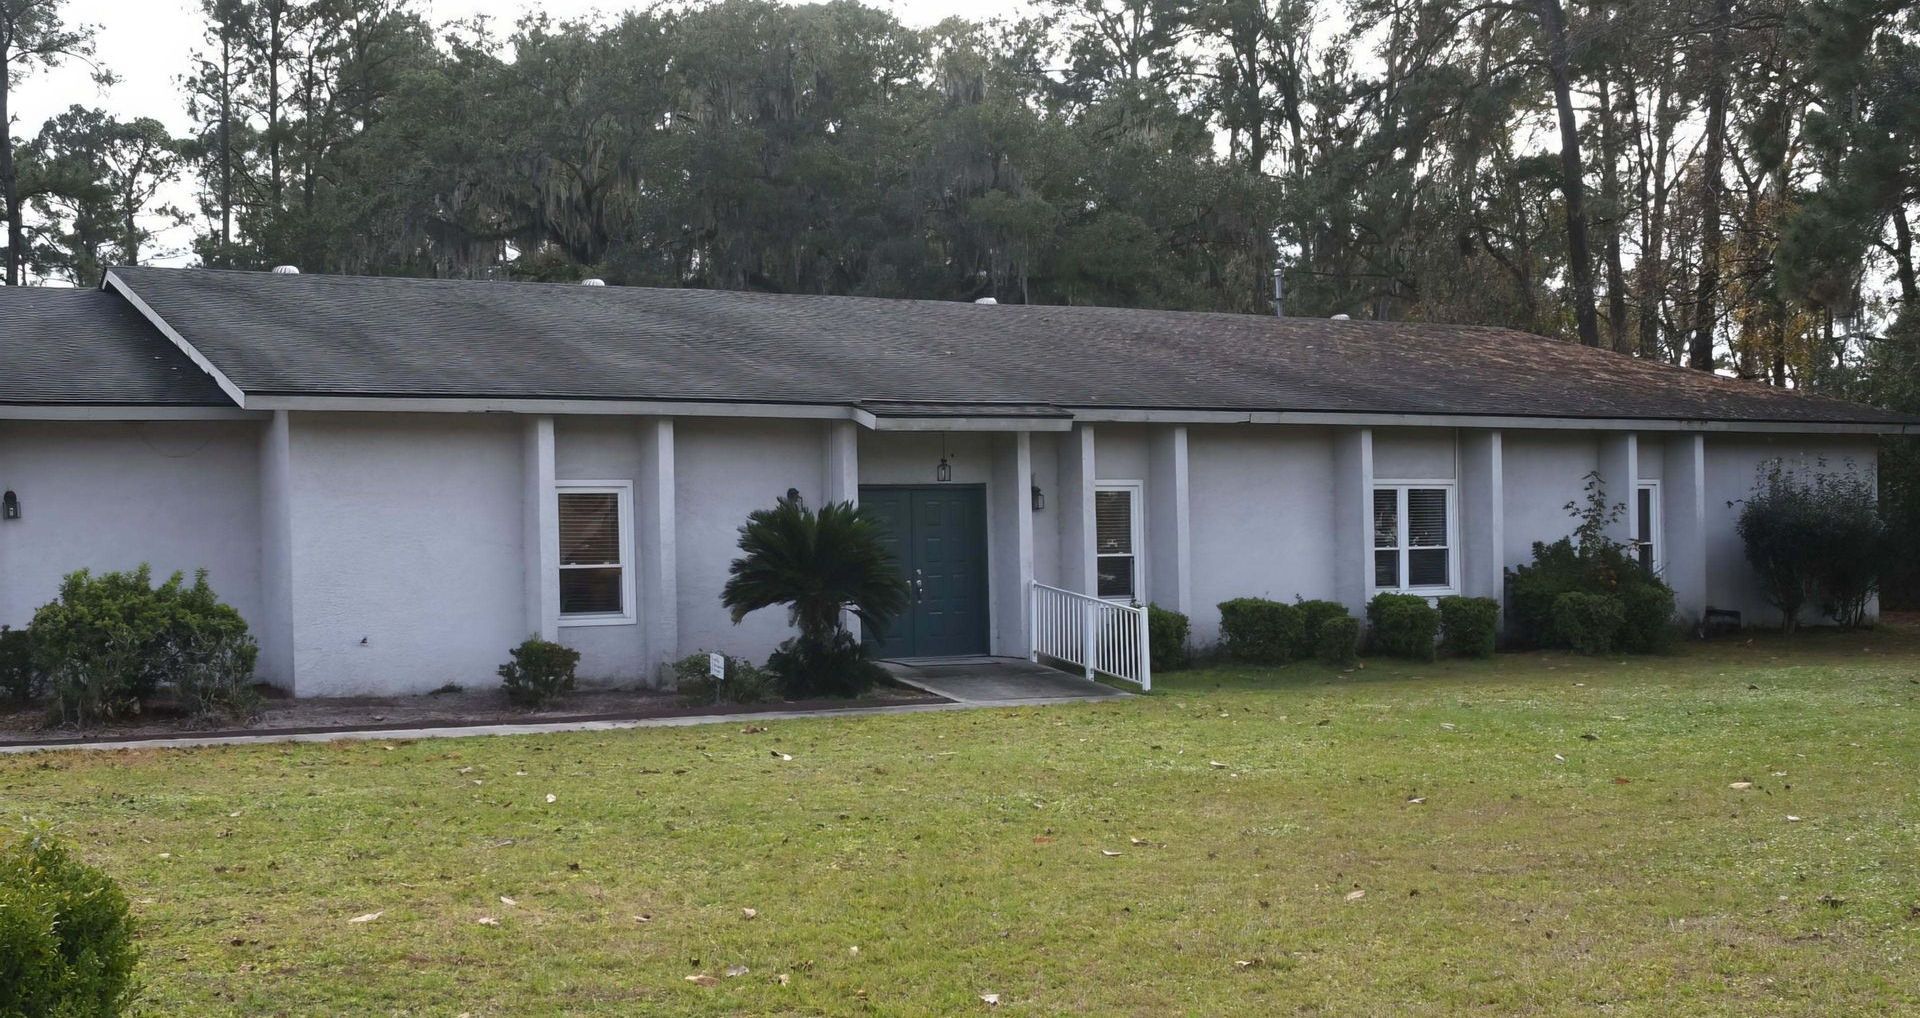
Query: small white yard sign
717, 665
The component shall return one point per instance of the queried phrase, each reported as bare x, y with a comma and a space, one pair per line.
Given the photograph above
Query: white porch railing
1100, 636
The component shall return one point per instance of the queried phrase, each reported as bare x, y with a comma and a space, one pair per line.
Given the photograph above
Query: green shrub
1402, 625
1818, 540
1338, 642
837, 666
1167, 638
113, 640
1260, 631
540, 671
1588, 623
66, 936
1469, 625
1313, 614
20, 679
745, 682
1647, 623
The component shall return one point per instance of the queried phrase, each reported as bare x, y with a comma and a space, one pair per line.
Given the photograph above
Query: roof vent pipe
286, 270
986, 300
1341, 318
593, 282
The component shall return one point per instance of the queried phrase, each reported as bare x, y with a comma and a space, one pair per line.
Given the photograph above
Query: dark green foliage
111, 641
837, 666
1592, 563
1338, 641
819, 565
1167, 639
1259, 631
1469, 626
1312, 615
1815, 540
1647, 618
66, 936
1402, 625
20, 679
540, 671
745, 682
1588, 623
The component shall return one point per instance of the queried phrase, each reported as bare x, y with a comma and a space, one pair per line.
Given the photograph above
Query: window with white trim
1646, 524
1413, 537
596, 552
1116, 540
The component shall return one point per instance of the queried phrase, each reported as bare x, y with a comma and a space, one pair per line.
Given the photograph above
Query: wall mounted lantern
1039, 497
793, 495
944, 472
9, 506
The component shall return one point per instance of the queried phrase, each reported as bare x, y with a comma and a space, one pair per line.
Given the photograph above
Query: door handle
919, 587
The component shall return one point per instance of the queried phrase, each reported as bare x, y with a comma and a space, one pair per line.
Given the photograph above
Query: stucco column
1353, 516
655, 545
276, 553
540, 528
1010, 560
1169, 537
1619, 475
1077, 569
1683, 518
842, 481
1483, 506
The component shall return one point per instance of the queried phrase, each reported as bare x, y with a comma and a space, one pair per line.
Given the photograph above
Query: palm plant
819, 565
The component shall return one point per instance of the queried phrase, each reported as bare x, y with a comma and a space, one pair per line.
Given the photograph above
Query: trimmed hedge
1167, 632
745, 682
1589, 623
1338, 641
1469, 625
1402, 625
1648, 623
1260, 631
19, 678
66, 936
1313, 615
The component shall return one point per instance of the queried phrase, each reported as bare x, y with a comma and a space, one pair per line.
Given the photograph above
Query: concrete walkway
396, 734
982, 681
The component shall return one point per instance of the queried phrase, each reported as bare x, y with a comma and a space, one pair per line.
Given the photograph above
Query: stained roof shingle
321, 335
64, 347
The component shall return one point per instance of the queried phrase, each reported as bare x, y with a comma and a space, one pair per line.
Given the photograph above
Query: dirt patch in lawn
286, 715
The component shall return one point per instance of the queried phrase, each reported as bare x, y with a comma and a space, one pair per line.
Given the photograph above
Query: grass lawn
1200, 851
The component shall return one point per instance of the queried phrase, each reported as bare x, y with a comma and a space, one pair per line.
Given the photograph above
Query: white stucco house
395, 480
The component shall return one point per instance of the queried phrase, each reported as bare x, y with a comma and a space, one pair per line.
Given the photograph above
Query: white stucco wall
1262, 510
106, 496
1543, 471
725, 469
407, 560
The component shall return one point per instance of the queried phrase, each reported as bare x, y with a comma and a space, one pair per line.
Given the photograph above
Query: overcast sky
149, 44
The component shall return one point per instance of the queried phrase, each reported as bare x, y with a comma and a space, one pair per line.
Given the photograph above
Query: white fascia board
226, 384
496, 405
71, 412
1376, 420
967, 423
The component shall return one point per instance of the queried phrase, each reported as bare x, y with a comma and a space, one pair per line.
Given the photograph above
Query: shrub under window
540, 670
1338, 641
1402, 625
1259, 631
1592, 563
1167, 638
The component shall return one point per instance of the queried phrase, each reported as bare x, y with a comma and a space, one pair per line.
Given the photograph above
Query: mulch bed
280, 714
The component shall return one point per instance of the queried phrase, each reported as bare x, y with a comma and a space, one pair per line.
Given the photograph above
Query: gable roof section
62, 347
344, 336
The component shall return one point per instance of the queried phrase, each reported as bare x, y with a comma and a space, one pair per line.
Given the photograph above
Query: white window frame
624, 490
1654, 528
1137, 491
1451, 487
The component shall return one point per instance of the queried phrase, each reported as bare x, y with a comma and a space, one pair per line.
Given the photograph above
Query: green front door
938, 535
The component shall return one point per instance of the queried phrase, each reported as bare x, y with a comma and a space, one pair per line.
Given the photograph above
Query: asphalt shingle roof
323, 335
88, 348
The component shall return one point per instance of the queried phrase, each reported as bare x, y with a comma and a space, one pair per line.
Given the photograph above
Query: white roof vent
1341, 318
593, 282
286, 270
986, 300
